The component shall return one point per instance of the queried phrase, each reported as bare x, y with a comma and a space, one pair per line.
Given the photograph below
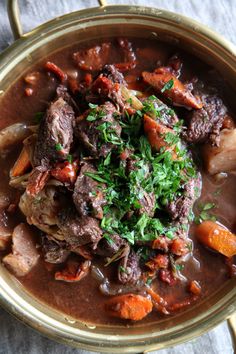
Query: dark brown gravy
83, 300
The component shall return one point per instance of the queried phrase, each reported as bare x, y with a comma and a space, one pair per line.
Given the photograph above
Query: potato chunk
221, 158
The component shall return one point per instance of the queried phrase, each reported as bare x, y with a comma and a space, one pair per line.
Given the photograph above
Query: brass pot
136, 21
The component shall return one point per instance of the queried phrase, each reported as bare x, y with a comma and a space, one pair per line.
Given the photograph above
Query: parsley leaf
38, 117
69, 158
58, 147
168, 85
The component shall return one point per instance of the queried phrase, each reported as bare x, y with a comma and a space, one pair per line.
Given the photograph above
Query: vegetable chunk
221, 158
155, 133
166, 83
214, 236
129, 307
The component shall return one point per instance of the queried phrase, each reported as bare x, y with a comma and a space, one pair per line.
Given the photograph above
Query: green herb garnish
168, 85
58, 147
69, 158
123, 270
204, 213
38, 117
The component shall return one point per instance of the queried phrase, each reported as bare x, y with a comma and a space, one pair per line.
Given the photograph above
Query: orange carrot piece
155, 133
178, 93
55, 70
195, 287
22, 164
73, 271
129, 307
214, 236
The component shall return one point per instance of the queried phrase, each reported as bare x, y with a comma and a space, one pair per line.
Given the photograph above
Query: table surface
218, 14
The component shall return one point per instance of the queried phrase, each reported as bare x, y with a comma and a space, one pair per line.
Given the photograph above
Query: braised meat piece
79, 231
113, 74
62, 92
54, 251
180, 207
147, 203
88, 196
206, 122
107, 247
129, 271
107, 86
147, 200
94, 58
24, 254
129, 56
42, 210
55, 133
100, 135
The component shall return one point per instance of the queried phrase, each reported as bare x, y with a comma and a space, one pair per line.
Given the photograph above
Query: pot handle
232, 329
14, 17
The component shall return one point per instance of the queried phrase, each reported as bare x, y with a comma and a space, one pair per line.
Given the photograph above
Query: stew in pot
117, 196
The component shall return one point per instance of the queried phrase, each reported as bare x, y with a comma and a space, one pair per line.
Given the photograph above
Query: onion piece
19, 182
97, 274
13, 134
135, 102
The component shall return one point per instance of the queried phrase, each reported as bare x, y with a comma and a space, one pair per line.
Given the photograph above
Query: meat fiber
205, 124
55, 133
88, 196
91, 133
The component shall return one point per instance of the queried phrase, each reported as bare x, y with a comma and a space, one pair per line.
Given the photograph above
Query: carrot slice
178, 92
155, 133
214, 236
22, 164
55, 70
129, 307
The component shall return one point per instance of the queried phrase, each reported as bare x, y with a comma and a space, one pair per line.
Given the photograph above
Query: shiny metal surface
94, 24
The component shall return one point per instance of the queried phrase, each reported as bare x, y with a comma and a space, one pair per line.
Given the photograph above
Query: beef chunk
63, 93
103, 89
161, 111
94, 58
107, 247
24, 254
79, 231
102, 135
147, 203
205, 123
113, 74
180, 207
129, 57
148, 200
54, 251
55, 133
129, 271
88, 197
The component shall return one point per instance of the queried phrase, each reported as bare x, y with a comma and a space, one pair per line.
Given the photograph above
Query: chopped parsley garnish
149, 281
95, 113
125, 183
108, 238
179, 267
123, 270
204, 213
69, 158
168, 85
58, 147
38, 117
